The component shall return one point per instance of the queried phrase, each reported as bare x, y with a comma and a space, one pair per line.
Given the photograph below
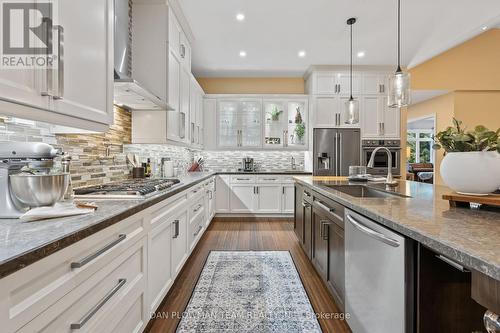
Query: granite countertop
266, 172
470, 237
22, 243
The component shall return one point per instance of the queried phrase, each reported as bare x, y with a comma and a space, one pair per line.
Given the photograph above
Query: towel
60, 209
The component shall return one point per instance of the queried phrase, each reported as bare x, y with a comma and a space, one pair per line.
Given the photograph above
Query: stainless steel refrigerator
335, 150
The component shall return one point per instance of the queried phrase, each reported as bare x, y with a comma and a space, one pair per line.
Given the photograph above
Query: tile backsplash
101, 157
264, 160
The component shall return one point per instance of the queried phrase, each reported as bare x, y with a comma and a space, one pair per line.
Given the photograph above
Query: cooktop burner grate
133, 188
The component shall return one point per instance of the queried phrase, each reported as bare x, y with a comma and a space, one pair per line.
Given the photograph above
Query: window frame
417, 141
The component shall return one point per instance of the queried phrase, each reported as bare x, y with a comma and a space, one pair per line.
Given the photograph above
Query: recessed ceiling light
484, 28
243, 54
361, 54
302, 54
240, 17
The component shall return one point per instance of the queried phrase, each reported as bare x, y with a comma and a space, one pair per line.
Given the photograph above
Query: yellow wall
252, 85
473, 65
443, 108
478, 108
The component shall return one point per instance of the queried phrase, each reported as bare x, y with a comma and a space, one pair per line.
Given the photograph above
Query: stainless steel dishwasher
375, 275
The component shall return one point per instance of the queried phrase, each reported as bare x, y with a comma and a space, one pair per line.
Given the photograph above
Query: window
419, 146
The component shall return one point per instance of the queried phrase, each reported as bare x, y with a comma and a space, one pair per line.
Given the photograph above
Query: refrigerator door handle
340, 154
335, 144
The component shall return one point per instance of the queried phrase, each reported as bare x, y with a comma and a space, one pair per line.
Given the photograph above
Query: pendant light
399, 83
351, 111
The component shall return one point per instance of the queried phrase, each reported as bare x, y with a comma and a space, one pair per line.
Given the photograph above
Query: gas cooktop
127, 189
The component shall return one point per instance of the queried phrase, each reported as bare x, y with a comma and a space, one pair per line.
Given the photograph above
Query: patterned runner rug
249, 291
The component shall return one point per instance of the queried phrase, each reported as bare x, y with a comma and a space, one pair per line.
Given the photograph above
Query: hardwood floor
239, 235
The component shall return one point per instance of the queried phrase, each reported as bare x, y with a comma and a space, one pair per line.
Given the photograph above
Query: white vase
476, 173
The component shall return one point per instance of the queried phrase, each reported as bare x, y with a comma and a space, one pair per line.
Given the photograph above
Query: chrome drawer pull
374, 234
89, 258
93, 311
273, 179
198, 231
324, 207
307, 194
242, 179
197, 208
452, 263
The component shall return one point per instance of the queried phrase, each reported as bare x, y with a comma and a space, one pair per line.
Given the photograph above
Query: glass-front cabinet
239, 123
285, 123
262, 123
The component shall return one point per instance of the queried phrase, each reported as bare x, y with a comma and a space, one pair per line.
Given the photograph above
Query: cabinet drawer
243, 179
26, 293
197, 190
162, 210
289, 178
195, 228
196, 208
91, 304
269, 179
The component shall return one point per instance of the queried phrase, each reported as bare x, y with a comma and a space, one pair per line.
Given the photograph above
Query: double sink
364, 191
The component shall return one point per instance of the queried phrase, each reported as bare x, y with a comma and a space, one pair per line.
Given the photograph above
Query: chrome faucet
389, 180
293, 165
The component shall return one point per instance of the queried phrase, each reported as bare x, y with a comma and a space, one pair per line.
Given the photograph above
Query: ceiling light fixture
240, 17
243, 54
302, 54
361, 54
351, 110
399, 83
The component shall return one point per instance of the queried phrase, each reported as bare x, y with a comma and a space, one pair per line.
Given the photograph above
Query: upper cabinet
256, 122
330, 90
78, 89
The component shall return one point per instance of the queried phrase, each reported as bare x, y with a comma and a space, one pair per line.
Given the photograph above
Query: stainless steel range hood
128, 93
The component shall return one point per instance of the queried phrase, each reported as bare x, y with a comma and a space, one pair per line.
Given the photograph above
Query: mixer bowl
39, 189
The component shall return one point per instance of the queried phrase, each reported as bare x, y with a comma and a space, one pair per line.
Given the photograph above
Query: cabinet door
210, 123
250, 115
288, 192
325, 110
308, 231
325, 84
185, 105
174, 82
370, 120
83, 82
373, 84
319, 243
268, 199
391, 120
228, 124
275, 123
159, 268
222, 194
242, 198
199, 117
298, 224
297, 124
185, 52
192, 111
336, 261
179, 241
24, 86
344, 82
174, 33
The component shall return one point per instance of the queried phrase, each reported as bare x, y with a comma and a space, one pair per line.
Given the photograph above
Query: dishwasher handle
372, 233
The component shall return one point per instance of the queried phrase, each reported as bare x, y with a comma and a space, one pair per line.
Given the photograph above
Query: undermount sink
361, 191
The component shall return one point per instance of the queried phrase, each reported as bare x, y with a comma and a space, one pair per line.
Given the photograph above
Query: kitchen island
468, 239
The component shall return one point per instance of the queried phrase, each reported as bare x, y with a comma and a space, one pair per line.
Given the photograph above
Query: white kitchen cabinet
374, 84
160, 263
284, 121
288, 192
378, 120
174, 96
239, 123
210, 200
222, 194
79, 90
268, 199
335, 83
196, 215
185, 105
179, 250
328, 111
344, 83
242, 198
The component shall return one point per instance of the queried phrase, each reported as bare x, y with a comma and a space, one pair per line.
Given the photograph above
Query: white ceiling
275, 30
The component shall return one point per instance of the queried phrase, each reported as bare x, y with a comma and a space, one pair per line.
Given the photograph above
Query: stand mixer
13, 157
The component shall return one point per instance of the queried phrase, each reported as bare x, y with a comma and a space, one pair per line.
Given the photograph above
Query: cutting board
463, 200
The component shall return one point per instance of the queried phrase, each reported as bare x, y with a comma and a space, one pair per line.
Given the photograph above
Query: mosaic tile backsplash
264, 160
101, 158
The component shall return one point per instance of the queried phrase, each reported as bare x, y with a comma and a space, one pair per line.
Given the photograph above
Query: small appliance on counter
20, 190
247, 165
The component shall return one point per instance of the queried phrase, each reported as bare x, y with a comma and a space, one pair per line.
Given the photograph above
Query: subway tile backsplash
264, 160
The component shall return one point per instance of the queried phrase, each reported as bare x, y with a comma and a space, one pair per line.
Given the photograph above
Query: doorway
420, 156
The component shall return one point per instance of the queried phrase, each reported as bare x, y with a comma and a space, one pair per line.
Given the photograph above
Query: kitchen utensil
90, 205
138, 172
130, 159
137, 161
40, 189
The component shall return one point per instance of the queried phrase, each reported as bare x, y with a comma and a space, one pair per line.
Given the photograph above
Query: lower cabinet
242, 198
222, 194
267, 199
288, 202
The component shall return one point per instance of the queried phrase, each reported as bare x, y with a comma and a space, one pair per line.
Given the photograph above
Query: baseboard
251, 218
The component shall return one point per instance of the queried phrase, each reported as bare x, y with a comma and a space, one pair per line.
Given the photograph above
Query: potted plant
275, 113
298, 116
472, 158
300, 130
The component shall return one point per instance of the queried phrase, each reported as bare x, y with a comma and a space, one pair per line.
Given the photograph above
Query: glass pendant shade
351, 112
399, 90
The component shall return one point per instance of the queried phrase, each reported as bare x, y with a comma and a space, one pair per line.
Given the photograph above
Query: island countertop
470, 237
